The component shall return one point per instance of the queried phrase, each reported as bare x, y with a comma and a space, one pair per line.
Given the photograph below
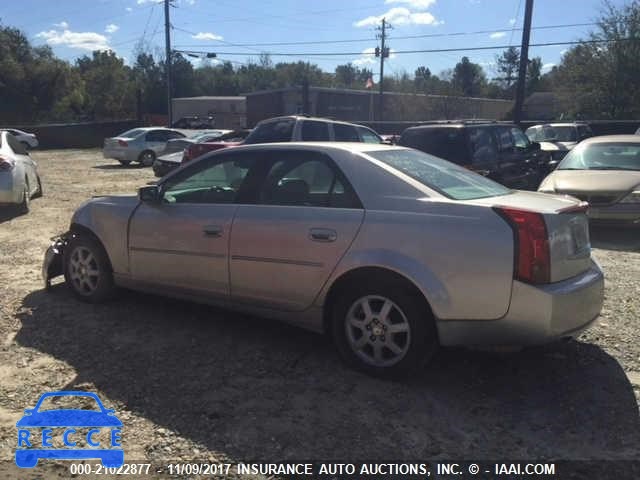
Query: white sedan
19, 180
28, 140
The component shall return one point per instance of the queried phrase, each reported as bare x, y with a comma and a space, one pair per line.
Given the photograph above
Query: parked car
558, 138
179, 144
19, 180
140, 145
295, 128
604, 171
28, 140
165, 163
390, 250
195, 121
498, 151
231, 139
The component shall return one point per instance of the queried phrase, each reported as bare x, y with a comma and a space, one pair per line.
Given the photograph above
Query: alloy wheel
377, 331
84, 270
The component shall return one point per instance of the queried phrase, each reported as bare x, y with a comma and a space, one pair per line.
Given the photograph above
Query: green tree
468, 78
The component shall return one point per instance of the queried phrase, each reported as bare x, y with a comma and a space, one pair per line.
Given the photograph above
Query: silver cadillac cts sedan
391, 251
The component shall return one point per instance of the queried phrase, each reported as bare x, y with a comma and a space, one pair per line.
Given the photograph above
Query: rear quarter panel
460, 256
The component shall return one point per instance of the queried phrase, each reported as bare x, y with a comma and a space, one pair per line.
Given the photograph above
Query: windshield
603, 156
132, 133
444, 177
565, 134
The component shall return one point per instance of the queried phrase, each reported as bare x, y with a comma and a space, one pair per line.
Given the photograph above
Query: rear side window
306, 179
315, 131
16, 146
345, 133
447, 143
157, 136
483, 146
585, 132
276, 131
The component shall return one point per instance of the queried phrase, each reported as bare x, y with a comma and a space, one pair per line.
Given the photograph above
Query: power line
404, 37
434, 50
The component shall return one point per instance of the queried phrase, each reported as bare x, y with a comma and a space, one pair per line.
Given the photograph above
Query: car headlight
633, 197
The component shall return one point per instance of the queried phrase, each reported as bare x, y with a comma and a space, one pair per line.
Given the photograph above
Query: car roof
631, 138
306, 117
462, 124
355, 147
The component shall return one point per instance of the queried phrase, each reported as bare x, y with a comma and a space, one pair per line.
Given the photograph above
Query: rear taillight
5, 164
122, 143
532, 262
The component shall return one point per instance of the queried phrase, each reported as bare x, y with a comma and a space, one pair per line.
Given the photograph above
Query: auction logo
42, 432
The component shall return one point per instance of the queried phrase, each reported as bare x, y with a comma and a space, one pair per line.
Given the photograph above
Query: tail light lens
5, 164
533, 261
122, 143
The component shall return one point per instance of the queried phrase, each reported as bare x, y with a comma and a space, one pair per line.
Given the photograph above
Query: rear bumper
619, 213
536, 315
119, 154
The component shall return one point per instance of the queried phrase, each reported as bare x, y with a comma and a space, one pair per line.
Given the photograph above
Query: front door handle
212, 230
323, 235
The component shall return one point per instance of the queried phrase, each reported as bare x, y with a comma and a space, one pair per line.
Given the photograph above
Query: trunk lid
567, 228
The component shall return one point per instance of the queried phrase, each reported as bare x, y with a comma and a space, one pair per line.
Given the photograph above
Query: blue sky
238, 29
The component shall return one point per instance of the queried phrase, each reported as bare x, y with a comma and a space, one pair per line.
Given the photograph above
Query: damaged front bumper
52, 265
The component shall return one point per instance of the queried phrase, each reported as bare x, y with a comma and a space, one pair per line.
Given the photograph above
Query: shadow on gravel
621, 238
118, 166
9, 213
259, 390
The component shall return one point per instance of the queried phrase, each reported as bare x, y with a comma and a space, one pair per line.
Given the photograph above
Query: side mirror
149, 194
535, 146
29, 411
553, 164
109, 411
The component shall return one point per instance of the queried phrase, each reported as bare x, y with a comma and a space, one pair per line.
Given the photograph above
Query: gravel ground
192, 382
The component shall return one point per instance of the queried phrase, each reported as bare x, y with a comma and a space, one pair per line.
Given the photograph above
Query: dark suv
499, 151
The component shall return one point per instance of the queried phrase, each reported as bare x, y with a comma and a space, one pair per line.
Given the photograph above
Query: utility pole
167, 61
382, 52
524, 61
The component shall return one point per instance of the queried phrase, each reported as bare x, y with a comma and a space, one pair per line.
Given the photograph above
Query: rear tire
23, 207
39, 192
384, 329
147, 158
87, 270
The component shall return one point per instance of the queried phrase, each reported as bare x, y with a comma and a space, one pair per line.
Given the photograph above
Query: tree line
597, 78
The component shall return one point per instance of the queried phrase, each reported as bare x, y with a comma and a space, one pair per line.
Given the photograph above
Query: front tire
87, 270
385, 329
147, 158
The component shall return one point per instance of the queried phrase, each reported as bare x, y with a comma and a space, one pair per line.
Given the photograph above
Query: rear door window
157, 136
275, 131
345, 133
313, 131
483, 146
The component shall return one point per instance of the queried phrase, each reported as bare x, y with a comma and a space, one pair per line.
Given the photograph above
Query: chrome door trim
277, 260
178, 252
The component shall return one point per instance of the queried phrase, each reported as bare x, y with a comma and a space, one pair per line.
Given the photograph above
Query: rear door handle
212, 230
323, 235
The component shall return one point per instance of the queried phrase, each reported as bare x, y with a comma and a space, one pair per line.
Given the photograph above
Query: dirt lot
191, 382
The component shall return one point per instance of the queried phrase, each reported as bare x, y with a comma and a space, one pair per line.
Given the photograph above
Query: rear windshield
277, 131
132, 133
447, 143
603, 156
444, 177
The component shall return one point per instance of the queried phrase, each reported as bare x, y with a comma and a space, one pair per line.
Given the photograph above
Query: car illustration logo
44, 433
